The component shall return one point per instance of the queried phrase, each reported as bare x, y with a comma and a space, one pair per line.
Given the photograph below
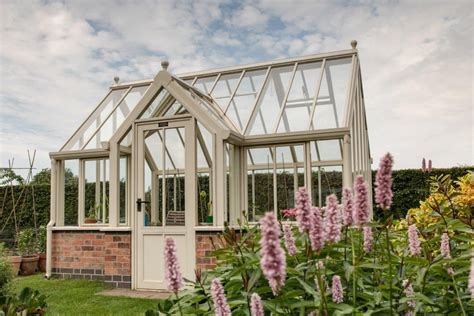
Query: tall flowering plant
384, 267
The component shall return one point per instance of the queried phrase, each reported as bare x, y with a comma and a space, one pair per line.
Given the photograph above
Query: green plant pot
210, 219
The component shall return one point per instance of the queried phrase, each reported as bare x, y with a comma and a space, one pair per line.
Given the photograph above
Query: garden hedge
410, 186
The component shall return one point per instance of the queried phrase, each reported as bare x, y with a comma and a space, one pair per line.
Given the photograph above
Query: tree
8, 175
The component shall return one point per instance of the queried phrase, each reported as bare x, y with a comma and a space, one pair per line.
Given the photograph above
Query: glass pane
153, 149
326, 181
326, 150
204, 175
289, 176
260, 193
271, 100
224, 89
204, 146
332, 96
124, 191
205, 84
153, 155
71, 192
96, 191
162, 99
243, 102
127, 139
175, 109
104, 109
300, 99
131, 100
330, 149
174, 177
261, 156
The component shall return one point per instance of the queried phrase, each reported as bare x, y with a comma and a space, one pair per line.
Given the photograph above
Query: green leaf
308, 288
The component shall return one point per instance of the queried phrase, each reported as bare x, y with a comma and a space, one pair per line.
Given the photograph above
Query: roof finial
354, 44
116, 79
164, 64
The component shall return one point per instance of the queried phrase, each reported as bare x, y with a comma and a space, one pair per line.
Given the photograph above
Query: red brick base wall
205, 243
93, 255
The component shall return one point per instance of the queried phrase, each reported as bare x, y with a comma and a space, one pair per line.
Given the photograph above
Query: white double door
165, 198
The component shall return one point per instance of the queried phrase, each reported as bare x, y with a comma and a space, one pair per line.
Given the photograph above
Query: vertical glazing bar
308, 169
346, 158
81, 189
283, 103
253, 115
104, 192
163, 180
114, 185
320, 194
316, 94
275, 182
235, 91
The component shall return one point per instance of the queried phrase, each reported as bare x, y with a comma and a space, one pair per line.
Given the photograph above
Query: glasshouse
182, 155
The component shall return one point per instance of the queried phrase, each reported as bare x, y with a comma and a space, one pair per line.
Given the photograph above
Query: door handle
139, 204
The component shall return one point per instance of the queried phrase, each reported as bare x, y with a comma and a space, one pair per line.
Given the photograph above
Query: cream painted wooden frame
356, 157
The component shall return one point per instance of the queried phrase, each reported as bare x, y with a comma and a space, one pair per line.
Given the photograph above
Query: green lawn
78, 297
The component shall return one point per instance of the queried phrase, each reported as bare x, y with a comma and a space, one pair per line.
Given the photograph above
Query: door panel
165, 175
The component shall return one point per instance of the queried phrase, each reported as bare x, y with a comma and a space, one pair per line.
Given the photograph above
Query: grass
78, 297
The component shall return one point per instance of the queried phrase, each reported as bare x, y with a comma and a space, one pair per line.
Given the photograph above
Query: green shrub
41, 239
6, 272
26, 242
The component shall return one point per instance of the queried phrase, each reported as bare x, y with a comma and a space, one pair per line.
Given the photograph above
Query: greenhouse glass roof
292, 95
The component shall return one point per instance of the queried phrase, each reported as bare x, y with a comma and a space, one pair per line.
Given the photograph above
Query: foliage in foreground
27, 302
403, 269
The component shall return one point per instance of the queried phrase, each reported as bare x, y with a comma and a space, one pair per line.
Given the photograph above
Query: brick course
205, 242
93, 255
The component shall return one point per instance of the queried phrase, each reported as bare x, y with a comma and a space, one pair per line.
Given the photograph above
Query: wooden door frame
189, 123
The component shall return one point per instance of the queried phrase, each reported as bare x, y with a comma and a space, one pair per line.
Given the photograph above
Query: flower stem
179, 305
389, 270
457, 294
353, 273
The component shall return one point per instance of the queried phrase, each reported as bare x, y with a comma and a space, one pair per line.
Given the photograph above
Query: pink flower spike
303, 210
273, 261
221, 308
256, 306
348, 207
429, 166
332, 220
172, 272
445, 252
383, 183
413, 241
423, 165
408, 290
361, 205
289, 240
337, 292
316, 233
368, 239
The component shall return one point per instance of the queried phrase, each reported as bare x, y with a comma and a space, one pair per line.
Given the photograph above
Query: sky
58, 58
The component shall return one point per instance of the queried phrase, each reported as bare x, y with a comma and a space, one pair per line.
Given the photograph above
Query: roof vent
164, 64
354, 44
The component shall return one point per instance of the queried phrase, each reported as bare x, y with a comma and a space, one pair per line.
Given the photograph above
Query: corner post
346, 161
114, 204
